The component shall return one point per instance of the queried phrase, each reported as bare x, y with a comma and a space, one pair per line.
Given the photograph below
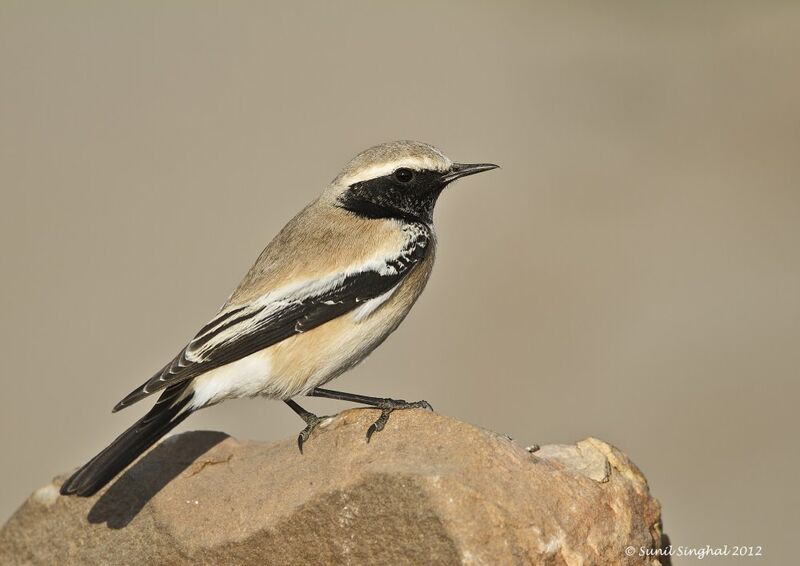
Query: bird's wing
240, 330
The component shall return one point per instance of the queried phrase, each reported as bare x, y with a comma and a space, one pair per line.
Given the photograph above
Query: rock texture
426, 490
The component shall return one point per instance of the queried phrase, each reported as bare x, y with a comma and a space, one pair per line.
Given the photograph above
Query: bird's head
401, 179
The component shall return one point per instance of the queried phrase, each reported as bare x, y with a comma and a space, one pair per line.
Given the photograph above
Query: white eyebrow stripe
417, 163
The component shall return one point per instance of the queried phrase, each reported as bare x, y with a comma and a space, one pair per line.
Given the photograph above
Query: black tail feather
168, 412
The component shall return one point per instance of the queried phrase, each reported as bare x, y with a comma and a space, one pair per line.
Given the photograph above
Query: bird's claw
378, 425
389, 406
312, 423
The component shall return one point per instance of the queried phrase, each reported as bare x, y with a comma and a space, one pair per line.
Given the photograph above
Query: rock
428, 489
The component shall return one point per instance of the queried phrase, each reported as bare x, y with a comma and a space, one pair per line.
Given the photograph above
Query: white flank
369, 307
242, 378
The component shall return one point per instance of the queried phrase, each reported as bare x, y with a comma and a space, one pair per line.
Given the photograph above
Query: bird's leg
312, 421
384, 404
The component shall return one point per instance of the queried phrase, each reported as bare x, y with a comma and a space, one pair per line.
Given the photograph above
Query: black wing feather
294, 318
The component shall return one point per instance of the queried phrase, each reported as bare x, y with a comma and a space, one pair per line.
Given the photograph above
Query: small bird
325, 292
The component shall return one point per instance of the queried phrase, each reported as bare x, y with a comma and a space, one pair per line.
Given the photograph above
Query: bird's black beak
459, 170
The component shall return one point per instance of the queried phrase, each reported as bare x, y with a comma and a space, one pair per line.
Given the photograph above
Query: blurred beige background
632, 272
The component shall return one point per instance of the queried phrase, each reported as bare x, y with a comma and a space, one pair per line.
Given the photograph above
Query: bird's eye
403, 175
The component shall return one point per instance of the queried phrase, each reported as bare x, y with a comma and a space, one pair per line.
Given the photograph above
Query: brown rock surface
427, 490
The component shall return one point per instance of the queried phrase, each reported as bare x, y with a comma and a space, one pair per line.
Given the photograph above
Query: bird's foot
387, 406
312, 422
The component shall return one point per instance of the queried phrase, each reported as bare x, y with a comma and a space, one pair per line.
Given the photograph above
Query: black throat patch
386, 197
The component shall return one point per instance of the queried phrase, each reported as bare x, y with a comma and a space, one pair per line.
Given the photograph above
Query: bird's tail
169, 411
